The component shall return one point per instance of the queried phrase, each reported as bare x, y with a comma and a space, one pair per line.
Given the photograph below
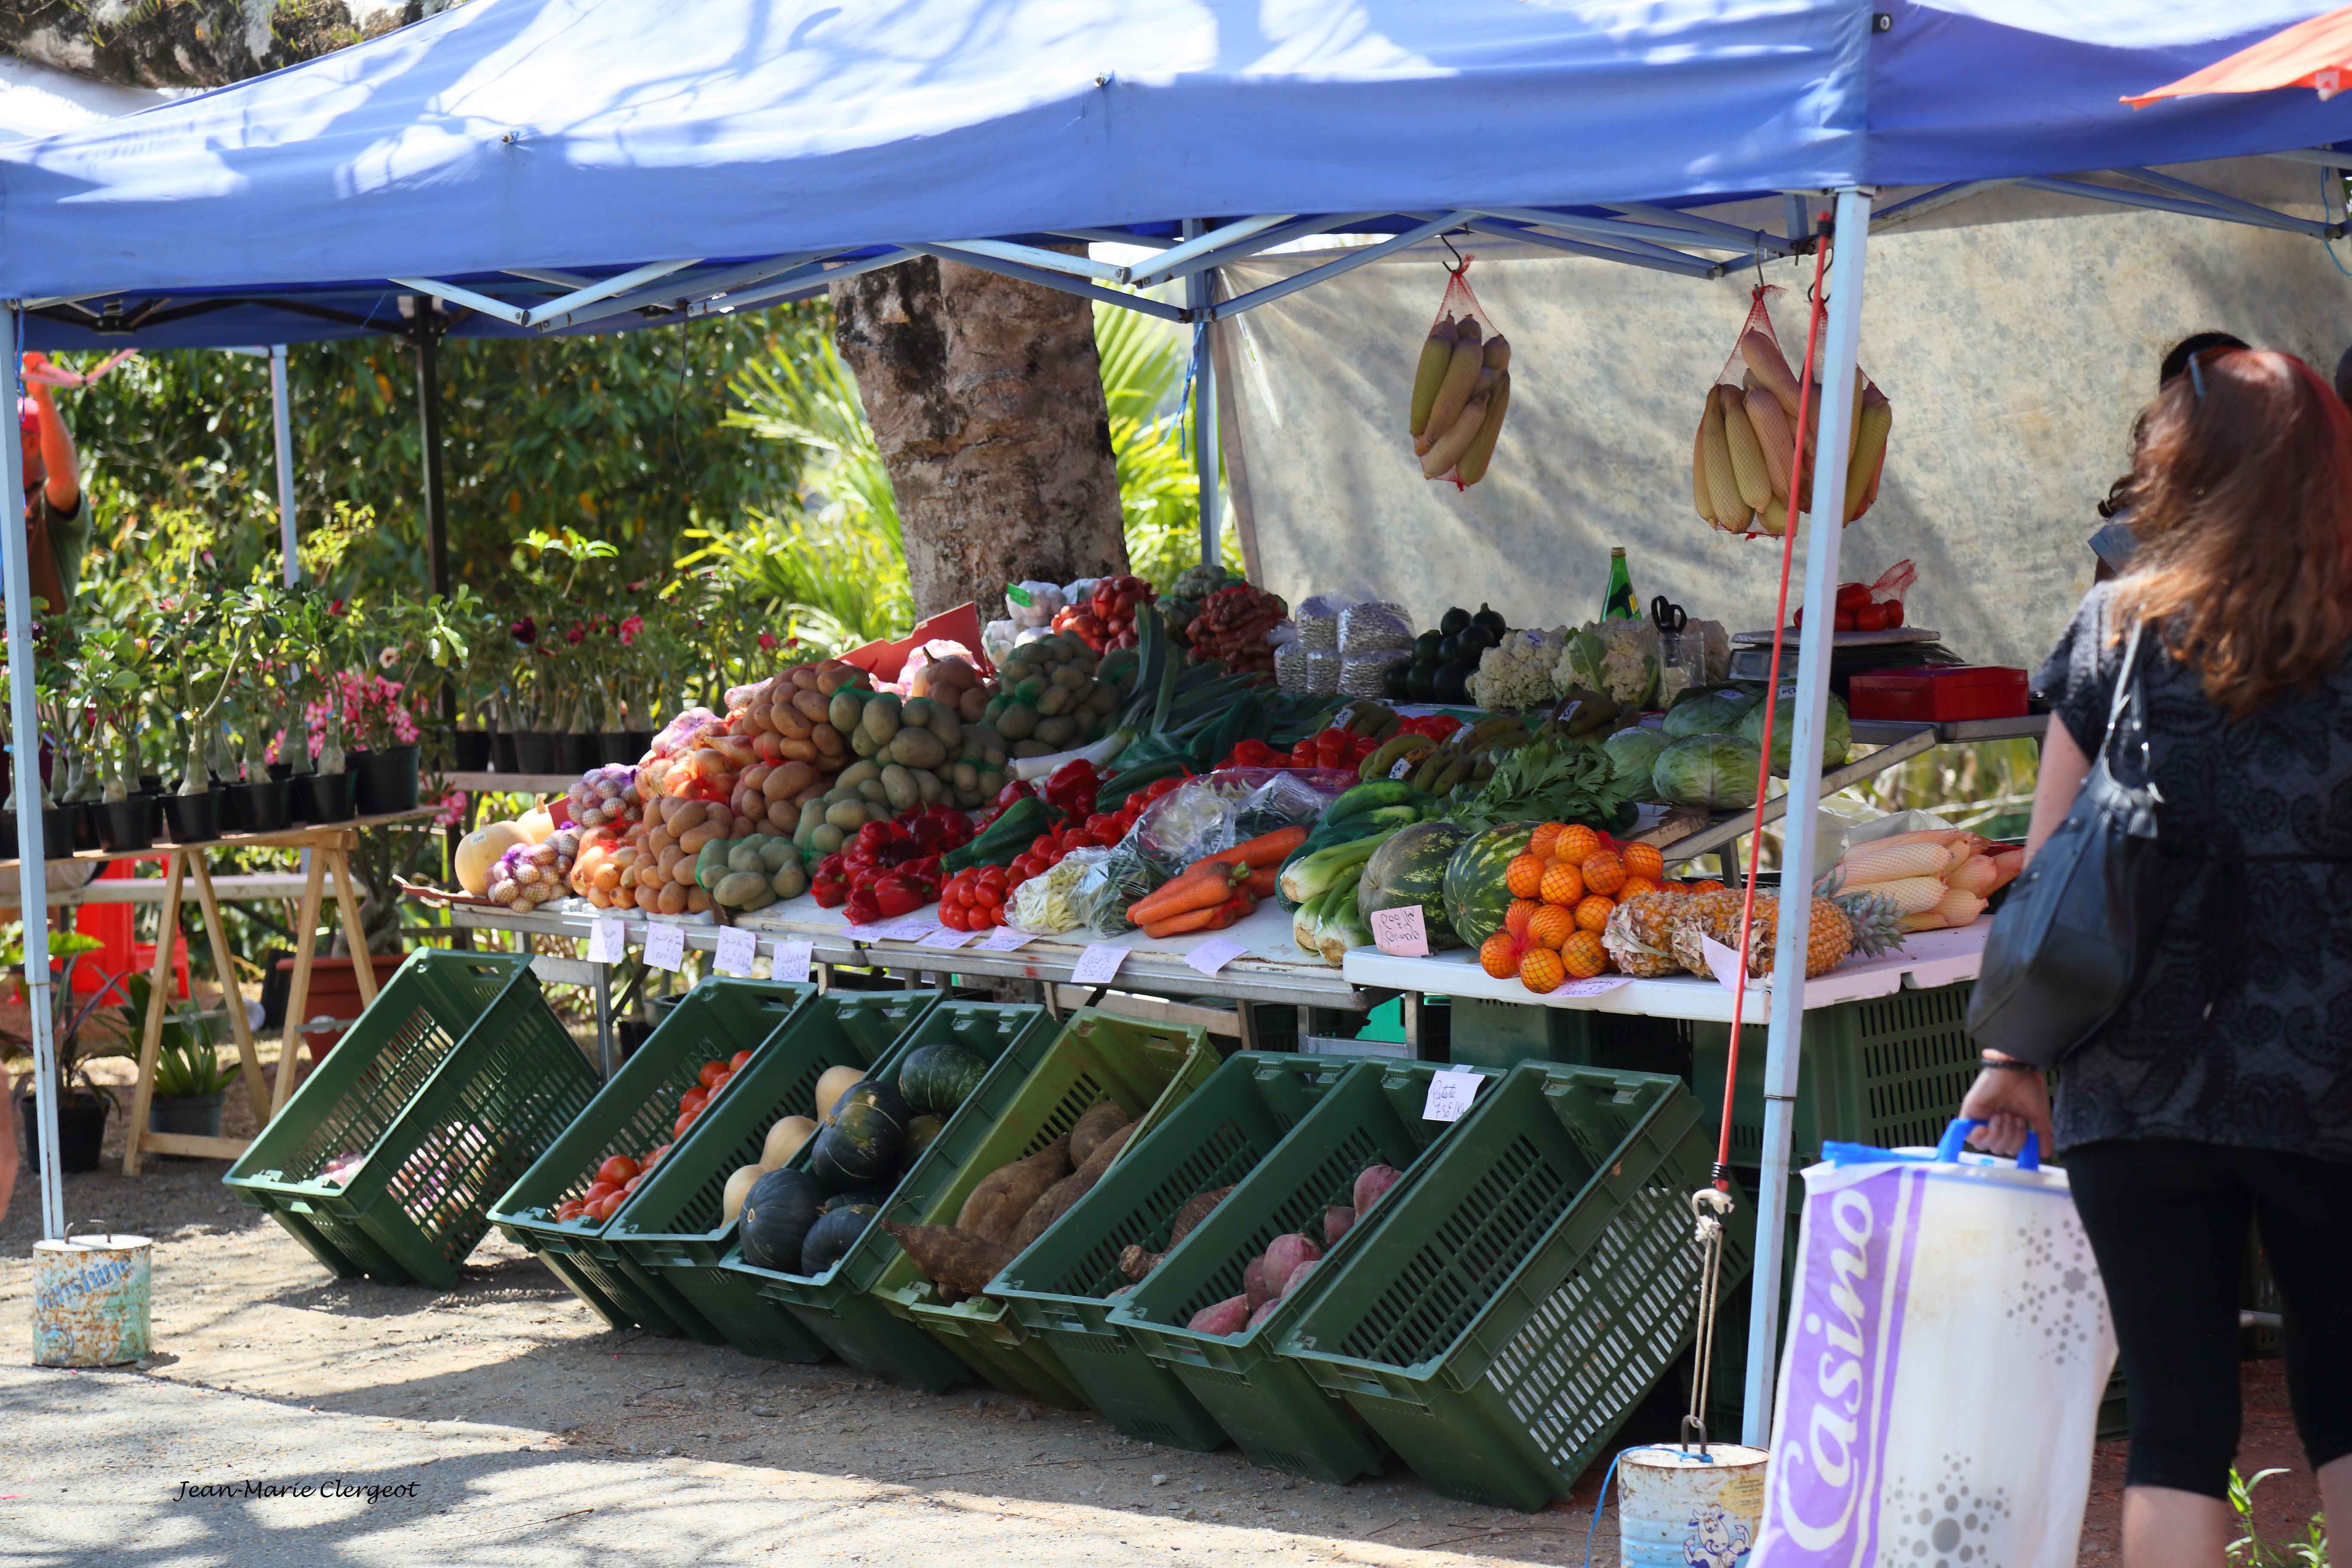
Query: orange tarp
2314, 54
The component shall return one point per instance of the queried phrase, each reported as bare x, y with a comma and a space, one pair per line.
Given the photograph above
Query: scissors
1669, 617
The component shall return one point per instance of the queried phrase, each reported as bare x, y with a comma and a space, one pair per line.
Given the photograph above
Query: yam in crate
671, 1233
634, 1115
1279, 1415
834, 1305
1060, 1287
1149, 1070
443, 1093
1889, 1071
1530, 1286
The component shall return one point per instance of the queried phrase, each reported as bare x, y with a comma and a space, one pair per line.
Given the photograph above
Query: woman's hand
2011, 1103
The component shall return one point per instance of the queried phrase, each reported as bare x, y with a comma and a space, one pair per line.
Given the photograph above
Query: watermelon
862, 1138
1410, 868
1476, 897
936, 1078
831, 1237
776, 1217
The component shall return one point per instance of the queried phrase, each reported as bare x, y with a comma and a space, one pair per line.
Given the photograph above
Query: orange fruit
1593, 915
1524, 876
1604, 871
1551, 926
1562, 884
1582, 955
1541, 970
1574, 844
1644, 861
1499, 955
1635, 888
1704, 885
1515, 919
1545, 836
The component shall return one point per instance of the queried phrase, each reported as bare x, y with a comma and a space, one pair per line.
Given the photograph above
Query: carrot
1200, 887
1267, 849
1263, 881
1216, 919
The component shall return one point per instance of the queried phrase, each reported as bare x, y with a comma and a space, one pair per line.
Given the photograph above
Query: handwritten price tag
1004, 939
1214, 954
1400, 933
666, 947
945, 936
736, 949
1450, 1094
1098, 964
790, 963
605, 942
1723, 961
914, 928
1598, 985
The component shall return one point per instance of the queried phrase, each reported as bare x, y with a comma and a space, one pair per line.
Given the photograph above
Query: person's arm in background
61, 463
2013, 1101
9, 1158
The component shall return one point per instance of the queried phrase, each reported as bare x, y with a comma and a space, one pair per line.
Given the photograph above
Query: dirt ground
533, 1434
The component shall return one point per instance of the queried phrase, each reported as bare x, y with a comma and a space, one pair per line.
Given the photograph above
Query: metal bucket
90, 1299
1688, 1508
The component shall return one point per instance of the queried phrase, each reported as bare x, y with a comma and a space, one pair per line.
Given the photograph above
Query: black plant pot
640, 742
151, 784
472, 749
534, 753
192, 818
195, 1115
281, 770
502, 753
386, 781
323, 797
613, 746
269, 807
575, 753
128, 824
82, 1131
57, 831
236, 807
85, 823
52, 821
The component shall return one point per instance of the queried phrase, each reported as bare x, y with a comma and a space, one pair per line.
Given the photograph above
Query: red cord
1771, 706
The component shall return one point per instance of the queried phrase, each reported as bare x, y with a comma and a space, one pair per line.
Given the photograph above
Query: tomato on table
618, 1169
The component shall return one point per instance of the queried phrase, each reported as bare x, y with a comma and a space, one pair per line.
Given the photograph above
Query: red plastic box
1938, 693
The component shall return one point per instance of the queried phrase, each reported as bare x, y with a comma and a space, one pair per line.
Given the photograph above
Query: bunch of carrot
1217, 889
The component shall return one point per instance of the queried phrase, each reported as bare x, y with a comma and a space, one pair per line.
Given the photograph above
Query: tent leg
1200, 292
1786, 1032
282, 428
428, 410
32, 854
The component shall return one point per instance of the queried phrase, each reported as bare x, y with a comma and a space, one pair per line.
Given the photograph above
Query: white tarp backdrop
2016, 354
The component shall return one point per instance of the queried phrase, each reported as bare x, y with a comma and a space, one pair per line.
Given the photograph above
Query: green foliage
187, 1055
2250, 1551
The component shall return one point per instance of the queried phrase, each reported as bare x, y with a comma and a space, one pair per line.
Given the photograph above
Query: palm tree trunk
985, 395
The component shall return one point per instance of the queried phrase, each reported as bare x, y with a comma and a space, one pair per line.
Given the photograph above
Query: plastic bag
1378, 626
1047, 903
1109, 881
680, 733
1745, 457
1917, 1271
1461, 386
1318, 620
1367, 674
996, 639
1032, 603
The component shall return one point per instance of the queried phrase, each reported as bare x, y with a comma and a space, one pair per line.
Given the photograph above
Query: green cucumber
1368, 796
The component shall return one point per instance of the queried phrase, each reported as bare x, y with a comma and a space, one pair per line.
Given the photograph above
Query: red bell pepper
1072, 787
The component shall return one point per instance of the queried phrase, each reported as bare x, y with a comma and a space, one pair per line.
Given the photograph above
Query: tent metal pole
428, 413
1786, 1030
1200, 293
32, 854
282, 427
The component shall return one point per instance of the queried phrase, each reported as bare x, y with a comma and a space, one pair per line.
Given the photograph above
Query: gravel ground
523, 1431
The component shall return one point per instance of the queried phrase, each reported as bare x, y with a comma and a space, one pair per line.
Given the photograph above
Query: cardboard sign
1400, 933
1723, 961
884, 660
1598, 985
1450, 1094
666, 947
736, 949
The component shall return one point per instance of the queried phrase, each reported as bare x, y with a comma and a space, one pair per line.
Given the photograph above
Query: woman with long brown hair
2219, 1100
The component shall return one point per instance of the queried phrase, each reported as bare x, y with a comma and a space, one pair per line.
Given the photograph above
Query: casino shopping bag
1945, 1355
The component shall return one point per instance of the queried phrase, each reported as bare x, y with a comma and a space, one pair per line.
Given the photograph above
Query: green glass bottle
1617, 605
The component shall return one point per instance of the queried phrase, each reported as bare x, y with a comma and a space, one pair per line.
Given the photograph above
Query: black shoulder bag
2072, 940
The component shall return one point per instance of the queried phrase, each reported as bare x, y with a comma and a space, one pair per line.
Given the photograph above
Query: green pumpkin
831, 1237
936, 1078
920, 1134
777, 1215
862, 1138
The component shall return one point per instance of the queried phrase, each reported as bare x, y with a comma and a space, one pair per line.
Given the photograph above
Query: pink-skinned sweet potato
1285, 1255
1372, 1182
1229, 1316
1254, 1285
1298, 1277
1338, 1220
1265, 1310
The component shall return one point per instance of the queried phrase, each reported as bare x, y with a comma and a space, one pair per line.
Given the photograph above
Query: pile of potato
1049, 699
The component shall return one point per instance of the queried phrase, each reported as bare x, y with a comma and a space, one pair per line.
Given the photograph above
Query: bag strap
2125, 686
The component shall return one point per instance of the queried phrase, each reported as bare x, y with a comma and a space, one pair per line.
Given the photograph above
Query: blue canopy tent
566, 165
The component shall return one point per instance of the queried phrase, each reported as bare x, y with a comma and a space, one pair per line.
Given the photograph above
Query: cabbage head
1715, 773
1711, 711
1837, 738
1632, 752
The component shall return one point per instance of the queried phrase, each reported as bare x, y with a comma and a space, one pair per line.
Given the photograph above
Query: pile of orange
1564, 887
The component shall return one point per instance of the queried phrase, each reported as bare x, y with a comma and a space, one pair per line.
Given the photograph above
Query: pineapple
1715, 915
1640, 935
1840, 927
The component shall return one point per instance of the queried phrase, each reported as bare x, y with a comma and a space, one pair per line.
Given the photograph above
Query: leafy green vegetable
1553, 778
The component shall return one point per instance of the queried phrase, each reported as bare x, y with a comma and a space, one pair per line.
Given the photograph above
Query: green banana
1383, 761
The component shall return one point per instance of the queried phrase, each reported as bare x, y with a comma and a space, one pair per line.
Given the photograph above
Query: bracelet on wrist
2006, 1064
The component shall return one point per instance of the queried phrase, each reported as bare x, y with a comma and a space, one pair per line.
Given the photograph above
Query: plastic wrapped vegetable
529, 875
1031, 604
1047, 902
1109, 881
606, 796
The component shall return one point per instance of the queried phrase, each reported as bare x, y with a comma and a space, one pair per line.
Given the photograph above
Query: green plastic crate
670, 1232
1889, 1072
1530, 1288
834, 1305
450, 1085
1060, 1287
1150, 1069
633, 1115
1371, 1115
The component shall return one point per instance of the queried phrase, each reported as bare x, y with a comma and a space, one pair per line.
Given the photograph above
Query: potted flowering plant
314, 634
80, 1030
211, 648
111, 670
525, 706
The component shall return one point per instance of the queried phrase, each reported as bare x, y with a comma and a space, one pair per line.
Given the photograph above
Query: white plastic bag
1946, 1353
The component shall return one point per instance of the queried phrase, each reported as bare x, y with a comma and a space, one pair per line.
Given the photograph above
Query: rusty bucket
90, 1298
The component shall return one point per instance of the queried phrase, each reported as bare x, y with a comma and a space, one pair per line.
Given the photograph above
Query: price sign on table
791, 962
1214, 954
1400, 933
736, 949
945, 936
1004, 939
1598, 985
1098, 965
1723, 961
666, 947
606, 938
1450, 1094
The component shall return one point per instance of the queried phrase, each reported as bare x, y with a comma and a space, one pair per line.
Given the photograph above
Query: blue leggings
2167, 1220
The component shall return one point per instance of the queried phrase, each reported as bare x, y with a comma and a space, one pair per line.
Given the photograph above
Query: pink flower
631, 629
453, 807
575, 636
767, 641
